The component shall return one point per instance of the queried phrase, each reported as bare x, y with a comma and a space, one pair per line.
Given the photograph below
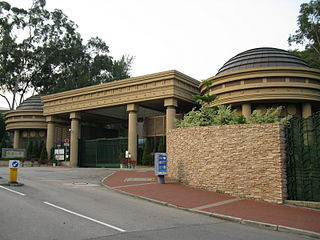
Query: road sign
160, 162
14, 164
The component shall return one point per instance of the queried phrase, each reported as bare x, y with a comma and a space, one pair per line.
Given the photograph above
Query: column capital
170, 102
132, 107
306, 110
75, 115
51, 119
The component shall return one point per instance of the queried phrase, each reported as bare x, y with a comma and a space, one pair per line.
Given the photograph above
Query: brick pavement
143, 183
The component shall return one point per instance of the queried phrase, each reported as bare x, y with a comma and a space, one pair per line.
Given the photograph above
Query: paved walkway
143, 183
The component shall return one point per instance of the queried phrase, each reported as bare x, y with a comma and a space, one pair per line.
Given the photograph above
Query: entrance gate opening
105, 152
303, 158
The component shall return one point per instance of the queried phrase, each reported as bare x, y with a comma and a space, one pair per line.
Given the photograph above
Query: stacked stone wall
246, 161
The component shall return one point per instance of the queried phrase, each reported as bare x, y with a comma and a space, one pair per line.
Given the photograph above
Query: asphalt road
66, 203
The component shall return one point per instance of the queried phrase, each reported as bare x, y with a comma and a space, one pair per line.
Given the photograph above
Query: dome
262, 57
31, 103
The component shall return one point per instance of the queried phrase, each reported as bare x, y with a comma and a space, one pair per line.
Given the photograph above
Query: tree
35, 149
43, 154
161, 145
308, 33
42, 51
2, 127
29, 150
147, 157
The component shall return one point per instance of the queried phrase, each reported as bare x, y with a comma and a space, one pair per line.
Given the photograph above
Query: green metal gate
106, 152
303, 158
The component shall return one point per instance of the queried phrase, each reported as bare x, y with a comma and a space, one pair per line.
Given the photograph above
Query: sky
195, 37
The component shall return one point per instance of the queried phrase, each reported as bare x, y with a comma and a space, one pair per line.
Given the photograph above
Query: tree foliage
308, 33
43, 51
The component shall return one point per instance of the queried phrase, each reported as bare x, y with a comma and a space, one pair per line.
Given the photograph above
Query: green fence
106, 152
303, 158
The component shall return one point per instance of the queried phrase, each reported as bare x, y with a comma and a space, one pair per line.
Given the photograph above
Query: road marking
88, 218
10, 190
217, 204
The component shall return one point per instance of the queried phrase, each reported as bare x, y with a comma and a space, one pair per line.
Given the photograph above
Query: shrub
224, 115
270, 116
211, 115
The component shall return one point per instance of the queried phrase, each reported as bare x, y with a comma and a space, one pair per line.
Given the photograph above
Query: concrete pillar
306, 110
132, 130
16, 138
246, 111
74, 138
50, 134
170, 104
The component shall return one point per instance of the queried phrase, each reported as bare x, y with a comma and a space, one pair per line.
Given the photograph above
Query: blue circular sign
15, 164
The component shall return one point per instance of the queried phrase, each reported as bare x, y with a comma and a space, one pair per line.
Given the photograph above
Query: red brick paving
177, 194
284, 215
188, 197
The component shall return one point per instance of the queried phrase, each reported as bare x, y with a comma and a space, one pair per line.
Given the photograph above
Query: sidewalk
142, 183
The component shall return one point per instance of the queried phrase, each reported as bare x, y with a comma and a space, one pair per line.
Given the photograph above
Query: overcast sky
195, 37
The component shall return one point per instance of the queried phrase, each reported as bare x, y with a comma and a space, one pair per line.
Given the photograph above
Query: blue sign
160, 164
14, 164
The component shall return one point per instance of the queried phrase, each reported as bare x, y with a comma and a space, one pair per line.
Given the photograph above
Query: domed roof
262, 57
31, 103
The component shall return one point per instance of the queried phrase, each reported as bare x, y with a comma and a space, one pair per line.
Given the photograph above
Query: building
146, 107
135, 108
263, 77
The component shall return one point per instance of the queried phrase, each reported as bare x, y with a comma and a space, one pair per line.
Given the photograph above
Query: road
66, 203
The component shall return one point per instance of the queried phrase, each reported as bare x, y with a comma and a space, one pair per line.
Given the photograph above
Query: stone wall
241, 160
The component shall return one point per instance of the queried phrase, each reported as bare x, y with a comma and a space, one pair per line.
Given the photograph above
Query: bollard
13, 175
13, 178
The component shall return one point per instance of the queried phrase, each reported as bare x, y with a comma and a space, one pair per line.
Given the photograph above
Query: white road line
88, 218
10, 190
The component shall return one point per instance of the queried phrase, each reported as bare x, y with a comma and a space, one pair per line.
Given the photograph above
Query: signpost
13, 165
160, 166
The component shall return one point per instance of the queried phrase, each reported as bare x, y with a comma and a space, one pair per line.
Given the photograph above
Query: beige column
306, 110
132, 129
170, 104
50, 134
16, 138
74, 139
246, 111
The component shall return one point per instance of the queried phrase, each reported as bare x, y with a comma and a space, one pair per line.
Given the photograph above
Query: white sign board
14, 164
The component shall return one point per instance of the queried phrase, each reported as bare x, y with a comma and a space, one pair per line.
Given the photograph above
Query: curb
247, 222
